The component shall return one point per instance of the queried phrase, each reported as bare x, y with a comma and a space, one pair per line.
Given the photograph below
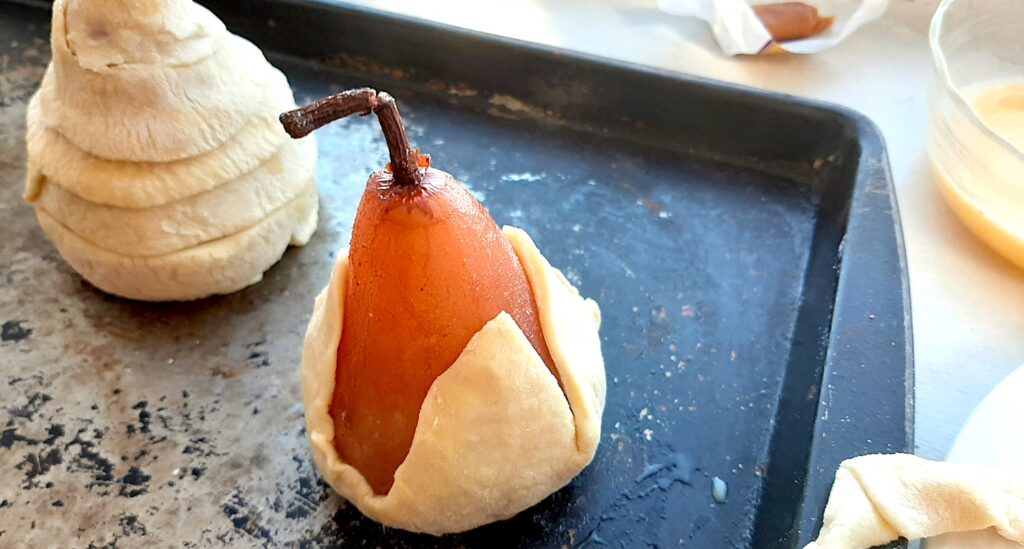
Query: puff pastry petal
495, 434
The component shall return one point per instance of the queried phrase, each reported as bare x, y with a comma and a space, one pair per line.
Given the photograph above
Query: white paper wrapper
738, 31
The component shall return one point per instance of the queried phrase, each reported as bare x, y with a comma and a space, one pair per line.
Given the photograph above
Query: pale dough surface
156, 163
147, 184
108, 34
217, 267
147, 112
495, 434
226, 209
879, 498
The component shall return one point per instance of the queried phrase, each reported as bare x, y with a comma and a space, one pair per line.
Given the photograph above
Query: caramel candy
792, 20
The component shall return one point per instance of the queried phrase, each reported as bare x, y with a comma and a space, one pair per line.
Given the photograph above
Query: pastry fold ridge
880, 498
496, 434
154, 152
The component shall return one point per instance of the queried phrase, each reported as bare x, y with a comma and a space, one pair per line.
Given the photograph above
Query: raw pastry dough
226, 209
880, 498
143, 32
147, 112
148, 184
215, 267
155, 160
495, 434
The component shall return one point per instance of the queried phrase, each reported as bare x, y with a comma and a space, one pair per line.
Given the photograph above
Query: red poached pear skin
428, 267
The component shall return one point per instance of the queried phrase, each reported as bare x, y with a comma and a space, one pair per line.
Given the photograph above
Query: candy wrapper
739, 29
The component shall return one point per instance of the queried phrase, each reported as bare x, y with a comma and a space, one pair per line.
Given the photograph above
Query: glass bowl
976, 138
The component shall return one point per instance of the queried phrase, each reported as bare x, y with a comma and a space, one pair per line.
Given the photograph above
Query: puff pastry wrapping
495, 434
156, 164
880, 498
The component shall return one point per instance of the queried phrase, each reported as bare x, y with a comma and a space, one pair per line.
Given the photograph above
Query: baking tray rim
873, 167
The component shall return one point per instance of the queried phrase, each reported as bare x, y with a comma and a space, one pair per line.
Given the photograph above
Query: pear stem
404, 159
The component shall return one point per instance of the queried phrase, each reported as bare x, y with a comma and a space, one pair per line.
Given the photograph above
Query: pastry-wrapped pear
451, 376
155, 162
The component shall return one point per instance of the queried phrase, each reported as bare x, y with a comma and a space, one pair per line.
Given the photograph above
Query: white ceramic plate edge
991, 437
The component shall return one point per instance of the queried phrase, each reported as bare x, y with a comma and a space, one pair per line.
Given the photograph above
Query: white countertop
968, 303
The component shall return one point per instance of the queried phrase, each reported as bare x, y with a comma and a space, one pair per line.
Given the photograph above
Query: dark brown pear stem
404, 159
304, 120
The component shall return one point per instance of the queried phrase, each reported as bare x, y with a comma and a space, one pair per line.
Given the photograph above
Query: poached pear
428, 267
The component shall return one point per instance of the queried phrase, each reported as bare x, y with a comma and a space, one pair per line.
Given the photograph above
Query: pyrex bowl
978, 45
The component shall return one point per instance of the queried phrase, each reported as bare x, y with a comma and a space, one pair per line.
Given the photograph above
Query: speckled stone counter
130, 424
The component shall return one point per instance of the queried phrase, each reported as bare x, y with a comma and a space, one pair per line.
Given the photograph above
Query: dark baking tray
745, 248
